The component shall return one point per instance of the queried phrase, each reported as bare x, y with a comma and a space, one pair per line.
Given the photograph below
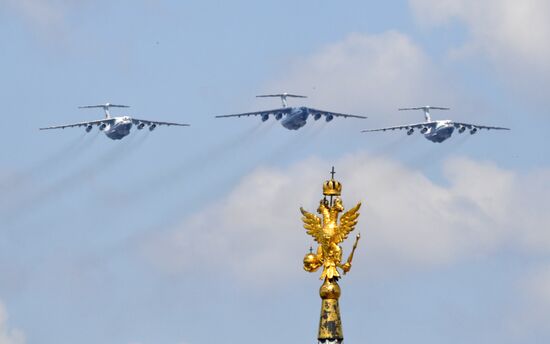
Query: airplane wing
282, 111
472, 126
406, 126
335, 114
147, 122
281, 95
425, 108
80, 124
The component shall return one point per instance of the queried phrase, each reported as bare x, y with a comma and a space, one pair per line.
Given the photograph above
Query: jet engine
424, 130
88, 128
410, 131
278, 116
265, 118
461, 129
140, 126
102, 126
473, 130
317, 116
152, 127
329, 118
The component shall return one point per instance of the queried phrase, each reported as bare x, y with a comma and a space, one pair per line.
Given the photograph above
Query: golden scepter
347, 265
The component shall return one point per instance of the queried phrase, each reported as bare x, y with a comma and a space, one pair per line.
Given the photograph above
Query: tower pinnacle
329, 233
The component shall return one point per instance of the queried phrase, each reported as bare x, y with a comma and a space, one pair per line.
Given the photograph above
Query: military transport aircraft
293, 118
439, 130
117, 127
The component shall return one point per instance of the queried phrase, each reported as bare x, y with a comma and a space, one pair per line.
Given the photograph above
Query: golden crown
332, 188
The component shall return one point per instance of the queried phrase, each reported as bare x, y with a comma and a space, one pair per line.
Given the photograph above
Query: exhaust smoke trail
438, 152
16, 187
55, 159
198, 163
67, 183
391, 147
298, 141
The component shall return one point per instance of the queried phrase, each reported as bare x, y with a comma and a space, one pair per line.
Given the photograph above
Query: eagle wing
347, 223
312, 223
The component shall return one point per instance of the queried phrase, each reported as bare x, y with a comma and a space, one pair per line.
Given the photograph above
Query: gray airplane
117, 127
293, 118
439, 130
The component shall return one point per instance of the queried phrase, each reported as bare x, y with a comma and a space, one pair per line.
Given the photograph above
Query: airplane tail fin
283, 97
105, 108
426, 110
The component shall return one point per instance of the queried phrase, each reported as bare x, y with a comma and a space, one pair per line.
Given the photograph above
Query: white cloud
366, 73
7, 335
513, 34
45, 14
47, 18
407, 220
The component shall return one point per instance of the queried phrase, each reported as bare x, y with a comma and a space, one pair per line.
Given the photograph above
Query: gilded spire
328, 232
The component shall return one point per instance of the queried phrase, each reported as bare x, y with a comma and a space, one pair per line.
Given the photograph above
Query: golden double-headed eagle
329, 233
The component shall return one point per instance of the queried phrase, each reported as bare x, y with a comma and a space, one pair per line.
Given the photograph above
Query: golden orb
330, 290
311, 263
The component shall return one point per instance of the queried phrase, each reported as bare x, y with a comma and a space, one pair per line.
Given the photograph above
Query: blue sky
193, 235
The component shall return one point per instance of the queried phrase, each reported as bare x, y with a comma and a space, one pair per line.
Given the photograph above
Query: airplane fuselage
119, 128
296, 118
440, 132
